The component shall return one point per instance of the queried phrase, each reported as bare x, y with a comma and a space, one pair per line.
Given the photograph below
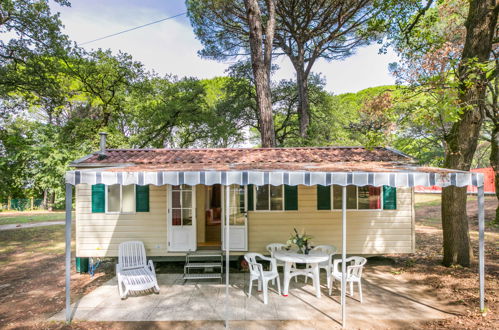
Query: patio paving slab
385, 300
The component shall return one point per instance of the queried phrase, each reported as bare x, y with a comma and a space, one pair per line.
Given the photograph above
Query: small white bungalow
186, 214
180, 200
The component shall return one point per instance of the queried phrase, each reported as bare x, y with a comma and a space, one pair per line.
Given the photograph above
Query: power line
134, 28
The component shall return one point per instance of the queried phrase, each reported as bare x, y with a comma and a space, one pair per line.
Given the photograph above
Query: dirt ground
32, 276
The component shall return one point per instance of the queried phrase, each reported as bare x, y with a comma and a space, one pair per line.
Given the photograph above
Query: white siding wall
99, 234
368, 232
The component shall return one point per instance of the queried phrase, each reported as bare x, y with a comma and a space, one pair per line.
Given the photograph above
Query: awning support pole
226, 242
481, 245
69, 206
343, 255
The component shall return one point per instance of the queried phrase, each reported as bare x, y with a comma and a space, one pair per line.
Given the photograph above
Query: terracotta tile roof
307, 158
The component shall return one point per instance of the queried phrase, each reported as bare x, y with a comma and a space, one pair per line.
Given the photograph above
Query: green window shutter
250, 197
389, 198
142, 198
98, 198
290, 198
323, 197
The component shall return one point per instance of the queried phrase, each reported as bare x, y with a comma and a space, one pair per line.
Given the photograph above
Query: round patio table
313, 259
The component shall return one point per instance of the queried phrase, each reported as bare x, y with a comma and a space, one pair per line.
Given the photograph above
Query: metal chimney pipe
102, 143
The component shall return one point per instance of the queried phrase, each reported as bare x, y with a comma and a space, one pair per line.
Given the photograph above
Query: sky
170, 47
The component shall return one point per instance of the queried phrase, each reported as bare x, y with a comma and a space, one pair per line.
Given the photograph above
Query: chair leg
360, 291
265, 292
351, 289
259, 285
120, 289
331, 282
296, 277
306, 277
125, 293
328, 279
278, 285
250, 286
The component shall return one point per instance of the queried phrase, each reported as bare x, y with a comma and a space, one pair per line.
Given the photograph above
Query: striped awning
395, 179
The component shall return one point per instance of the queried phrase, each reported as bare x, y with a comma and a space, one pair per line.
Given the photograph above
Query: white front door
181, 218
238, 222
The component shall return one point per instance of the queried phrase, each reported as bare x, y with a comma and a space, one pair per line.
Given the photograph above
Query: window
269, 198
237, 205
358, 198
182, 205
120, 199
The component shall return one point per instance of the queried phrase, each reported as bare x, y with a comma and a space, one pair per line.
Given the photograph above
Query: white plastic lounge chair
326, 265
133, 271
263, 277
354, 273
272, 247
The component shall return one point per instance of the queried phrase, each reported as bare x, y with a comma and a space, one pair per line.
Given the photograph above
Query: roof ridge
240, 149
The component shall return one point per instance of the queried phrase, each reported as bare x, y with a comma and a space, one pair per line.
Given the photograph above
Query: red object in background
489, 183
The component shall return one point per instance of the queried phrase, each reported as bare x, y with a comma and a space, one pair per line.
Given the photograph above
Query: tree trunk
45, 199
463, 138
494, 162
261, 64
51, 201
303, 103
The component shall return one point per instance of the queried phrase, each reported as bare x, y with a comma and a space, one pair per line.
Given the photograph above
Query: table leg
287, 277
317, 283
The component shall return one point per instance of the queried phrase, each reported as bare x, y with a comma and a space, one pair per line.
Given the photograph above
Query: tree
439, 29
228, 28
27, 62
328, 29
261, 38
481, 27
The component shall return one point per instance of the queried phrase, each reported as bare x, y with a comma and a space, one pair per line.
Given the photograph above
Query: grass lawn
26, 217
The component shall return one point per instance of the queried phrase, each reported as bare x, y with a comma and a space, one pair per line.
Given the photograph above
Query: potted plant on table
301, 240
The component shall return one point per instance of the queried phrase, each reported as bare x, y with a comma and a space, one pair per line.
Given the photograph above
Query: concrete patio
387, 303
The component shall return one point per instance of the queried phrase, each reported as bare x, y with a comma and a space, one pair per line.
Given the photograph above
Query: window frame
106, 195
181, 190
357, 200
245, 201
255, 198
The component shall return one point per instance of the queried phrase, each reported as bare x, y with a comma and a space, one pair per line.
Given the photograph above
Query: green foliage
32, 40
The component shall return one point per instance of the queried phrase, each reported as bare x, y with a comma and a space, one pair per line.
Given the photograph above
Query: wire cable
134, 28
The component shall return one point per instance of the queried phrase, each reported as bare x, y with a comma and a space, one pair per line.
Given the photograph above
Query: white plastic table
313, 259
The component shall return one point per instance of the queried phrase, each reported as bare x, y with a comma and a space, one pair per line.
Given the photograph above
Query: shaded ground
456, 284
32, 277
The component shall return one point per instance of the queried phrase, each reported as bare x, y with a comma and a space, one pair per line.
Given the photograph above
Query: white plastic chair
133, 271
262, 276
273, 247
326, 265
354, 273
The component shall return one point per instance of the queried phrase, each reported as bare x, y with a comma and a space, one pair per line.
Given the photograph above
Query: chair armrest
273, 262
336, 262
350, 269
260, 269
